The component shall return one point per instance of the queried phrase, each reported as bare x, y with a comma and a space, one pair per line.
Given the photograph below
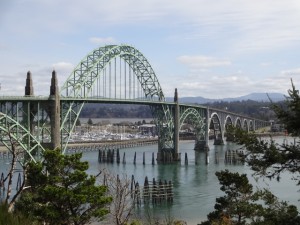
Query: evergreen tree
90, 121
14, 218
241, 205
61, 192
268, 158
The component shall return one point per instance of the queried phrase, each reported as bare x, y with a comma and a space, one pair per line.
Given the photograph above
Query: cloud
265, 64
102, 41
291, 72
242, 25
216, 86
63, 67
202, 61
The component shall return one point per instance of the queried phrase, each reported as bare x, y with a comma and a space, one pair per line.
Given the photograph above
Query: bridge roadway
114, 74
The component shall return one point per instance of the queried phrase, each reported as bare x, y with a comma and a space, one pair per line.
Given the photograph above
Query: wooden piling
153, 162
186, 159
154, 192
124, 159
137, 194
99, 155
18, 183
143, 158
2, 181
118, 156
134, 158
146, 192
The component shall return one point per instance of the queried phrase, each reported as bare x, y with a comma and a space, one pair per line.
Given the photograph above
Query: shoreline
4, 150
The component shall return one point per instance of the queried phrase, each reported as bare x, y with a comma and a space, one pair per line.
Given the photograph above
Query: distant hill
259, 97
255, 105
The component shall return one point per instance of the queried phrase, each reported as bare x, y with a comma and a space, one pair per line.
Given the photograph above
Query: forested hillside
115, 111
250, 108
260, 110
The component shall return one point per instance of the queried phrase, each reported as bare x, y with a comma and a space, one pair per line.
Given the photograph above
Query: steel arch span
215, 124
84, 80
24, 141
197, 120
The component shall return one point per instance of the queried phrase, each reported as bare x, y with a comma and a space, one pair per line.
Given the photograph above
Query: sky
208, 48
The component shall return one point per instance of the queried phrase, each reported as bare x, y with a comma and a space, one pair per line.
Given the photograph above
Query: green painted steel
18, 138
31, 114
80, 83
197, 120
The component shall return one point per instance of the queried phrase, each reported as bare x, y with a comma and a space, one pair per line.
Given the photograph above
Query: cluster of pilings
234, 156
152, 192
2, 182
113, 155
168, 157
7, 154
2, 186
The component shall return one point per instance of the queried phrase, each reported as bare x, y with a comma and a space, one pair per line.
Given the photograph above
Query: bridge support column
28, 107
219, 141
172, 155
54, 109
202, 145
176, 127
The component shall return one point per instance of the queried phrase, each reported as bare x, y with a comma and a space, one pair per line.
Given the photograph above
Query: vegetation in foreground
61, 192
15, 218
241, 205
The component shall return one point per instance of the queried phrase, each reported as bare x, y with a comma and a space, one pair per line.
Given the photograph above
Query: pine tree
61, 192
271, 159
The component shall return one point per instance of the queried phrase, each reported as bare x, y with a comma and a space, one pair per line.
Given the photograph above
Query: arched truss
215, 124
251, 125
245, 126
197, 120
81, 81
228, 121
14, 133
238, 123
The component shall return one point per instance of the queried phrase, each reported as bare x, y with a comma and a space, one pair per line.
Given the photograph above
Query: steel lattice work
17, 138
196, 118
115, 72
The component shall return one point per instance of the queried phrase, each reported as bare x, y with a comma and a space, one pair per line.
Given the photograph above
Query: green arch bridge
115, 74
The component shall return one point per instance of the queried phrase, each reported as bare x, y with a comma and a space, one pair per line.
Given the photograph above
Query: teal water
195, 185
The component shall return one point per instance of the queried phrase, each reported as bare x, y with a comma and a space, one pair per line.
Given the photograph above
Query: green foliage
289, 114
238, 203
259, 110
241, 205
78, 123
15, 218
268, 158
61, 192
91, 110
90, 121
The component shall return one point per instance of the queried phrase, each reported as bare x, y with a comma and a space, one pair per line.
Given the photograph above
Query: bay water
195, 184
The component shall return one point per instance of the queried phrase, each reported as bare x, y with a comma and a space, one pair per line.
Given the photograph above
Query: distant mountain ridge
259, 97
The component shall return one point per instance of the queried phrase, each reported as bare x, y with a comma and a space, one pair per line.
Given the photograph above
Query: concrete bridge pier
29, 108
219, 140
54, 112
202, 145
172, 155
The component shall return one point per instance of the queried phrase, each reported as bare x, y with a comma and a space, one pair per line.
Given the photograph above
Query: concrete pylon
29, 108
176, 127
54, 104
29, 85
